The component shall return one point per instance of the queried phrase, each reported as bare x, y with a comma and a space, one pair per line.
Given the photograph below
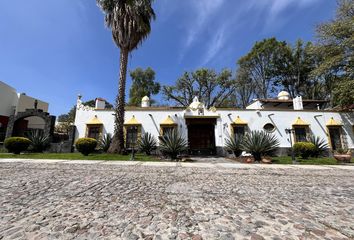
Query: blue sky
55, 49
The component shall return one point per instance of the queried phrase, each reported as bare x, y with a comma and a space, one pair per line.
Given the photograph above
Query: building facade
206, 129
14, 104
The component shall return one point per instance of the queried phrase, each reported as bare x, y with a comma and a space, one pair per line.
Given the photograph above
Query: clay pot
249, 160
266, 160
344, 158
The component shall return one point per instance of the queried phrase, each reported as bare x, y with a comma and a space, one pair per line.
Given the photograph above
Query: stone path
46, 199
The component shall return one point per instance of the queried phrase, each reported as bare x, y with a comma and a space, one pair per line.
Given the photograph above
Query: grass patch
79, 156
310, 161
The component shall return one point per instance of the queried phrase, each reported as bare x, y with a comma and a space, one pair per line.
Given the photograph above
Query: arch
49, 120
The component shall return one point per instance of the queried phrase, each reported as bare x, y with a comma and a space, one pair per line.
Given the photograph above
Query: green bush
233, 145
17, 145
86, 145
259, 143
147, 143
172, 143
304, 149
39, 141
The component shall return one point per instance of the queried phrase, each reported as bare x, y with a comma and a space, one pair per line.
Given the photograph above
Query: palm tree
130, 22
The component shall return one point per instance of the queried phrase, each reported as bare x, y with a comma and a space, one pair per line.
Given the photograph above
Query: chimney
145, 102
297, 102
100, 103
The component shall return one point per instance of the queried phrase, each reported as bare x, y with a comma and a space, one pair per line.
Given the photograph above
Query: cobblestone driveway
94, 201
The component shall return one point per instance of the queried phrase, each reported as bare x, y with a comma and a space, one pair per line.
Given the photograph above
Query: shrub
233, 145
342, 151
39, 140
105, 142
259, 143
17, 145
86, 145
320, 146
172, 143
147, 143
304, 149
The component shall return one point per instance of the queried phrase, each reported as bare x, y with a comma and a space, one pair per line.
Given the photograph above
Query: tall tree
211, 88
244, 87
130, 22
335, 47
143, 85
260, 62
293, 68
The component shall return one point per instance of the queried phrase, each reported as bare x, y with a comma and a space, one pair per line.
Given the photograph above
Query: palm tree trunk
117, 145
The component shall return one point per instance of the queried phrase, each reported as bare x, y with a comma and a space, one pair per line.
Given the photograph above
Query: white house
12, 103
207, 129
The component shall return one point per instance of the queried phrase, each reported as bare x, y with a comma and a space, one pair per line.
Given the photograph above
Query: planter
266, 160
343, 158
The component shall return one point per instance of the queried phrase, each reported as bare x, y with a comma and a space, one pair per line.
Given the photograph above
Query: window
166, 129
300, 134
239, 132
269, 127
94, 132
132, 136
335, 137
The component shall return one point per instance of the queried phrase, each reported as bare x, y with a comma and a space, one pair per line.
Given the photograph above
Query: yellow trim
132, 121
94, 125
333, 123
239, 121
168, 122
300, 122
125, 130
94, 121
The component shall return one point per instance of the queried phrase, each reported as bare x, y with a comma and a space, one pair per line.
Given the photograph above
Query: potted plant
342, 155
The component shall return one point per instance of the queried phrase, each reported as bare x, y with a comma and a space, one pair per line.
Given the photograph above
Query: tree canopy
143, 85
212, 89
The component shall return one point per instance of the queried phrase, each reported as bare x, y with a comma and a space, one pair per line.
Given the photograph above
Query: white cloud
203, 12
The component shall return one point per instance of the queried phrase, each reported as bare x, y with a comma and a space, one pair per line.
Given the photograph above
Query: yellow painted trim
239, 121
132, 121
300, 122
168, 122
94, 121
333, 123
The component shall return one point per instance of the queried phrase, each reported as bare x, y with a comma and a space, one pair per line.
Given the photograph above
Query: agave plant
39, 140
234, 145
320, 145
147, 143
259, 143
172, 143
105, 142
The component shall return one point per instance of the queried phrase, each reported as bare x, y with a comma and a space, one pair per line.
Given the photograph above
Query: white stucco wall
8, 99
27, 102
256, 120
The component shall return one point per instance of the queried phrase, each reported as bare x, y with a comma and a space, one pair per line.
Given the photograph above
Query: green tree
130, 22
293, 69
335, 47
211, 88
260, 63
244, 87
344, 93
143, 85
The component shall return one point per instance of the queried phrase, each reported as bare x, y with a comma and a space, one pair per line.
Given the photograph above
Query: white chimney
100, 103
145, 102
297, 102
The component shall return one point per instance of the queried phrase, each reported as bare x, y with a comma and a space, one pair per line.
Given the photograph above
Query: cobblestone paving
102, 201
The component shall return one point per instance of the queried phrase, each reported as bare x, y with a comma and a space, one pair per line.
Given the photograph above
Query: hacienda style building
207, 129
